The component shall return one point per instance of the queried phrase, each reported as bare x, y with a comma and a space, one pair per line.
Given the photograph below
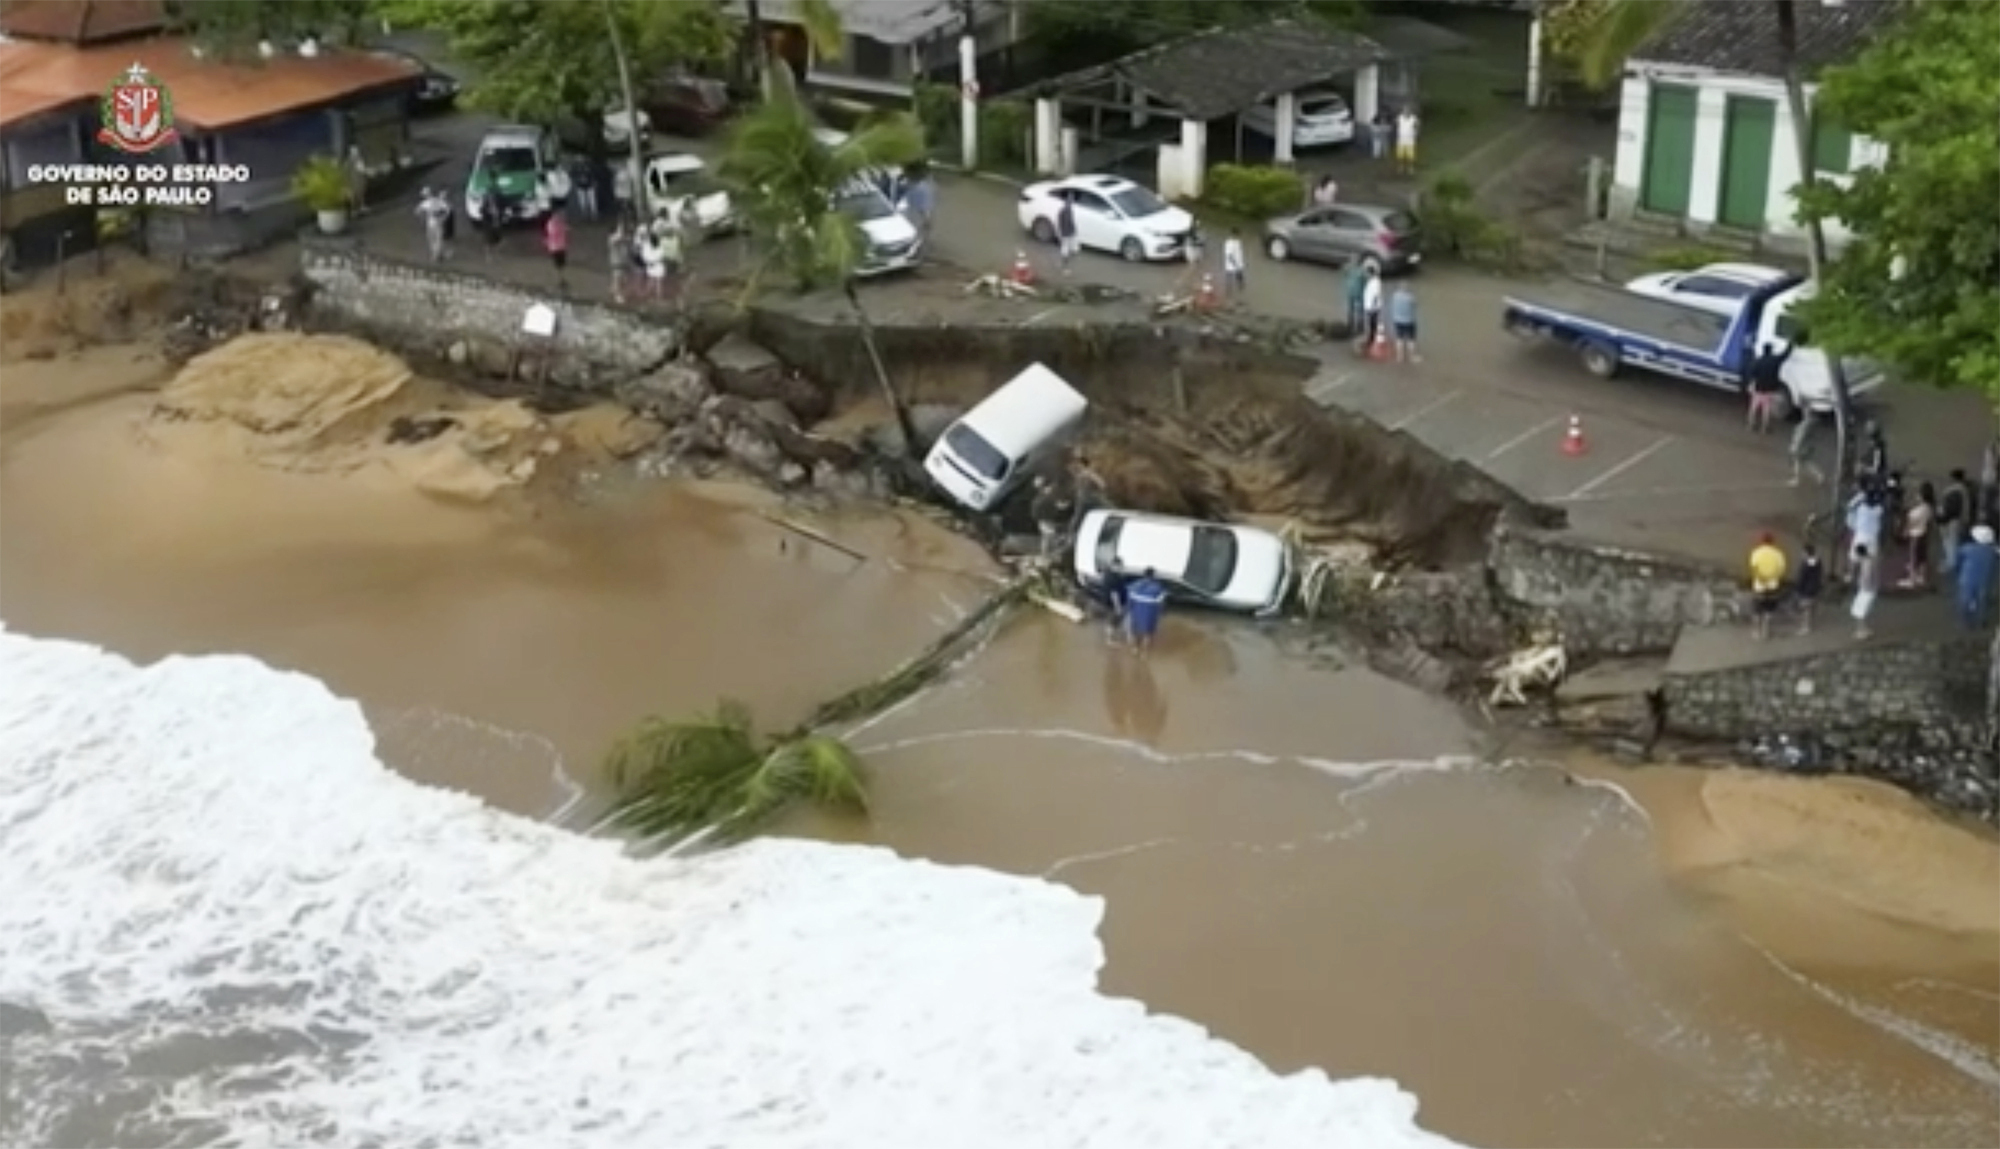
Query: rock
930, 421
792, 475
746, 370
672, 394
775, 413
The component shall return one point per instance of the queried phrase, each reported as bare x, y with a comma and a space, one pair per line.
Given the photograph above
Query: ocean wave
222, 920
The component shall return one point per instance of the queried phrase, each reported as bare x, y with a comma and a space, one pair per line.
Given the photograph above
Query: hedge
1253, 191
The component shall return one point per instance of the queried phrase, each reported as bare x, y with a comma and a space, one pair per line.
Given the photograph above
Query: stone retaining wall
1934, 684
428, 312
1607, 600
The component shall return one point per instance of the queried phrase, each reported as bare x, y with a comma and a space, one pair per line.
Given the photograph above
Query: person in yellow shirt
1767, 584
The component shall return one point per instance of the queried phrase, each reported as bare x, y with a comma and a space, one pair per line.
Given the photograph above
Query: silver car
1386, 238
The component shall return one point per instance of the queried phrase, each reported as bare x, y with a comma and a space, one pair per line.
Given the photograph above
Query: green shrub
937, 111
1003, 133
1253, 191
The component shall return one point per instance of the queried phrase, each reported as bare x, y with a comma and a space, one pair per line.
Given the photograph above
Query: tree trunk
1802, 137
760, 48
633, 167
889, 392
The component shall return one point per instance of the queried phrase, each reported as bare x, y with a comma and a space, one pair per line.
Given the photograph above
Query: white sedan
1216, 564
675, 180
1112, 214
1717, 287
1319, 119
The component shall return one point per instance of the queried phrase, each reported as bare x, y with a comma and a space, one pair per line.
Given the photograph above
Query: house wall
1714, 90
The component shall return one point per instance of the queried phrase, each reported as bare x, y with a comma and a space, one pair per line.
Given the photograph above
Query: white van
987, 453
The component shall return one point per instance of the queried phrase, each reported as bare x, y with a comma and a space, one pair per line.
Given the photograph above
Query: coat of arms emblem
138, 114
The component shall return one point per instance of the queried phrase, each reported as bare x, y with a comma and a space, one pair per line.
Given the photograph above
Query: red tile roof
81, 21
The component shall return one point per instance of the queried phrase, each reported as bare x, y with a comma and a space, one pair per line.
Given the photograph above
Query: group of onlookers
1909, 540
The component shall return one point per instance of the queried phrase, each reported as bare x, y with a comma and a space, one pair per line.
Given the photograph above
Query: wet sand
1539, 961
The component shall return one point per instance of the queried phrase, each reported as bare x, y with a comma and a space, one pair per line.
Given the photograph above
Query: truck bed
1615, 307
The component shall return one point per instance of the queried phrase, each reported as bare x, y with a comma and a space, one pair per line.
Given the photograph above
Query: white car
894, 244
1319, 119
1112, 214
675, 179
1216, 564
1718, 287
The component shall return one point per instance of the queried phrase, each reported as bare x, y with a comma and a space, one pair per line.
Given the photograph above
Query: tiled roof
81, 21
1225, 70
1742, 35
206, 93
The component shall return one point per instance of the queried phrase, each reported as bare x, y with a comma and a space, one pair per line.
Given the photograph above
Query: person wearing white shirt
1371, 309
1406, 140
1864, 525
1232, 263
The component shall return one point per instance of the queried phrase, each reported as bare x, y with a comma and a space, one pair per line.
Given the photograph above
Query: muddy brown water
1734, 961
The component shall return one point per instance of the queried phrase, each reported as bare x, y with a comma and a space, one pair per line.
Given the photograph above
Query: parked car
1319, 119
1386, 238
1112, 214
436, 91
675, 178
523, 166
894, 243
1718, 287
685, 104
1214, 564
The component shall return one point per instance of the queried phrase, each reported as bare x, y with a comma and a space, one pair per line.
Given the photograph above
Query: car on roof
1214, 564
1319, 119
1388, 239
1112, 214
1717, 287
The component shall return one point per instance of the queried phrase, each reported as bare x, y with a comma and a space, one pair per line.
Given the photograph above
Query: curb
966, 173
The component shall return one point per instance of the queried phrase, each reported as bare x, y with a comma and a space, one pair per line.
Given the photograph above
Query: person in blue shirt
1116, 588
1356, 283
1145, 602
1977, 561
920, 200
1403, 323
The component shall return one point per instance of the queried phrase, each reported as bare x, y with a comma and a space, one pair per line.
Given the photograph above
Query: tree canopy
1130, 24
542, 60
1930, 92
233, 27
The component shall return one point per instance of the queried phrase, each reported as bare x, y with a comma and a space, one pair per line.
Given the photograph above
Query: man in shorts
1403, 323
1066, 242
1767, 584
1145, 603
1406, 141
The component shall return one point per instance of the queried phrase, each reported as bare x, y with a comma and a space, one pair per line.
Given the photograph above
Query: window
870, 58
1211, 560
1107, 544
53, 144
1710, 285
983, 457
1832, 147
1138, 203
1350, 221
1088, 201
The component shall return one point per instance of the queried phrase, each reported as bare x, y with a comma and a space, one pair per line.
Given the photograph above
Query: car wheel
1279, 249
1043, 231
1600, 359
1132, 250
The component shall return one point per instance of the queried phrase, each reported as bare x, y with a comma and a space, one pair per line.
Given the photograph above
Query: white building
1704, 134
891, 44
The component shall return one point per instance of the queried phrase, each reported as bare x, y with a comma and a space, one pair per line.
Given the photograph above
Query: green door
1748, 124
1665, 182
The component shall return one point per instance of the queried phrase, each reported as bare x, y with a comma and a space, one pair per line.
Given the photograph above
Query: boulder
672, 394
746, 370
930, 420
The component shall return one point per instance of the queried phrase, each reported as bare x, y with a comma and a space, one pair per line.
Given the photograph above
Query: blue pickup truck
1612, 328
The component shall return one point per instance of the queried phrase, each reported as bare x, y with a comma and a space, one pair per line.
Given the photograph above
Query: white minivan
987, 453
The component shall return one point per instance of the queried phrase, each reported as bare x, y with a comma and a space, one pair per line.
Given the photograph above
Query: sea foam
223, 920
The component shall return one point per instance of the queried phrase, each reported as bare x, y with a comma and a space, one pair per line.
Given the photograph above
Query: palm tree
1619, 28
714, 772
788, 183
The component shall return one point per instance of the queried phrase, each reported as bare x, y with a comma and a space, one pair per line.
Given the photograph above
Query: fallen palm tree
715, 775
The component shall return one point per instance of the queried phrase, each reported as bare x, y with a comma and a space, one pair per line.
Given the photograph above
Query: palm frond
1619, 29
820, 21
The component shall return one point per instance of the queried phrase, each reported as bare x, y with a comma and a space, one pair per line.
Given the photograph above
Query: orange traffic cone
1023, 272
1204, 296
1573, 442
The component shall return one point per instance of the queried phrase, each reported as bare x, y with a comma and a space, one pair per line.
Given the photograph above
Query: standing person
673, 259
555, 241
1976, 565
1356, 285
357, 181
492, 225
654, 262
1767, 584
1371, 309
1406, 140
1145, 602
618, 249
1233, 280
1117, 591
621, 191
1872, 463
1954, 518
1765, 383
920, 201
1325, 192
1919, 524
1381, 133
434, 211
1403, 323
1066, 234
1867, 580
1864, 526
1810, 585
1801, 450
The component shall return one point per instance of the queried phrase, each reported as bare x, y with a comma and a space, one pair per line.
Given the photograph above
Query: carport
1205, 77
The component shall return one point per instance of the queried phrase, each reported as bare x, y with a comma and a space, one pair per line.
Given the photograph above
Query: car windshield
983, 457
509, 161
864, 204
1211, 560
1138, 203
1323, 107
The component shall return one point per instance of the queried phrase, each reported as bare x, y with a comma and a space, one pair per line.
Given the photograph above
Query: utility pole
968, 86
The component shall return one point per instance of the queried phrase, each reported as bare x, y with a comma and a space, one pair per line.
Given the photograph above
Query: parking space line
1523, 437
1617, 470
1321, 391
1424, 410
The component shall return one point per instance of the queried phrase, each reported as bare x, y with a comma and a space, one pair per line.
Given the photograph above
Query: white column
1048, 136
1288, 111
1194, 156
1535, 59
1138, 108
968, 100
1781, 207
1705, 181
1066, 157
1367, 93
1628, 166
